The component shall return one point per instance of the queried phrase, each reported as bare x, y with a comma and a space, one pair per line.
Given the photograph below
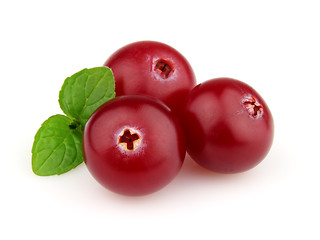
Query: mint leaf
82, 93
57, 146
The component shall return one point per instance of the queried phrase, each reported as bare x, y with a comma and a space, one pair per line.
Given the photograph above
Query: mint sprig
57, 146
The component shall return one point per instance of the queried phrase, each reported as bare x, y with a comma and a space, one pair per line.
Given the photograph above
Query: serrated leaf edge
87, 97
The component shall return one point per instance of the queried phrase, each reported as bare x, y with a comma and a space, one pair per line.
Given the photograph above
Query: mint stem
74, 125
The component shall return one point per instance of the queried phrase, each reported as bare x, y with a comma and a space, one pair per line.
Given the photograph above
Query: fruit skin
144, 168
222, 132
137, 70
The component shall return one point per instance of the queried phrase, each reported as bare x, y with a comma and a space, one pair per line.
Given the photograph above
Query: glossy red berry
154, 69
133, 145
228, 126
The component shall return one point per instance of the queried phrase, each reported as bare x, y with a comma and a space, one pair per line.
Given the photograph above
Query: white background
272, 45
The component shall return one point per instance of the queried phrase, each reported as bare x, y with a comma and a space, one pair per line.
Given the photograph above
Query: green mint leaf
57, 146
85, 91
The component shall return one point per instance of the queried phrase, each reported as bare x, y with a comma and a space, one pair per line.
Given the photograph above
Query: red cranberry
154, 69
228, 126
133, 145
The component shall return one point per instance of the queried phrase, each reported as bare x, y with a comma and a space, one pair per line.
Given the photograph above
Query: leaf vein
54, 150
87, 97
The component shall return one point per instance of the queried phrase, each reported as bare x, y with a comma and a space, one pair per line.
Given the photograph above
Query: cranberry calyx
129, 140
254, 108
164, 67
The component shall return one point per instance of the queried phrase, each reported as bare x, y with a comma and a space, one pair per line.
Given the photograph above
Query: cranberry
154, 69
228, 126
133, 145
